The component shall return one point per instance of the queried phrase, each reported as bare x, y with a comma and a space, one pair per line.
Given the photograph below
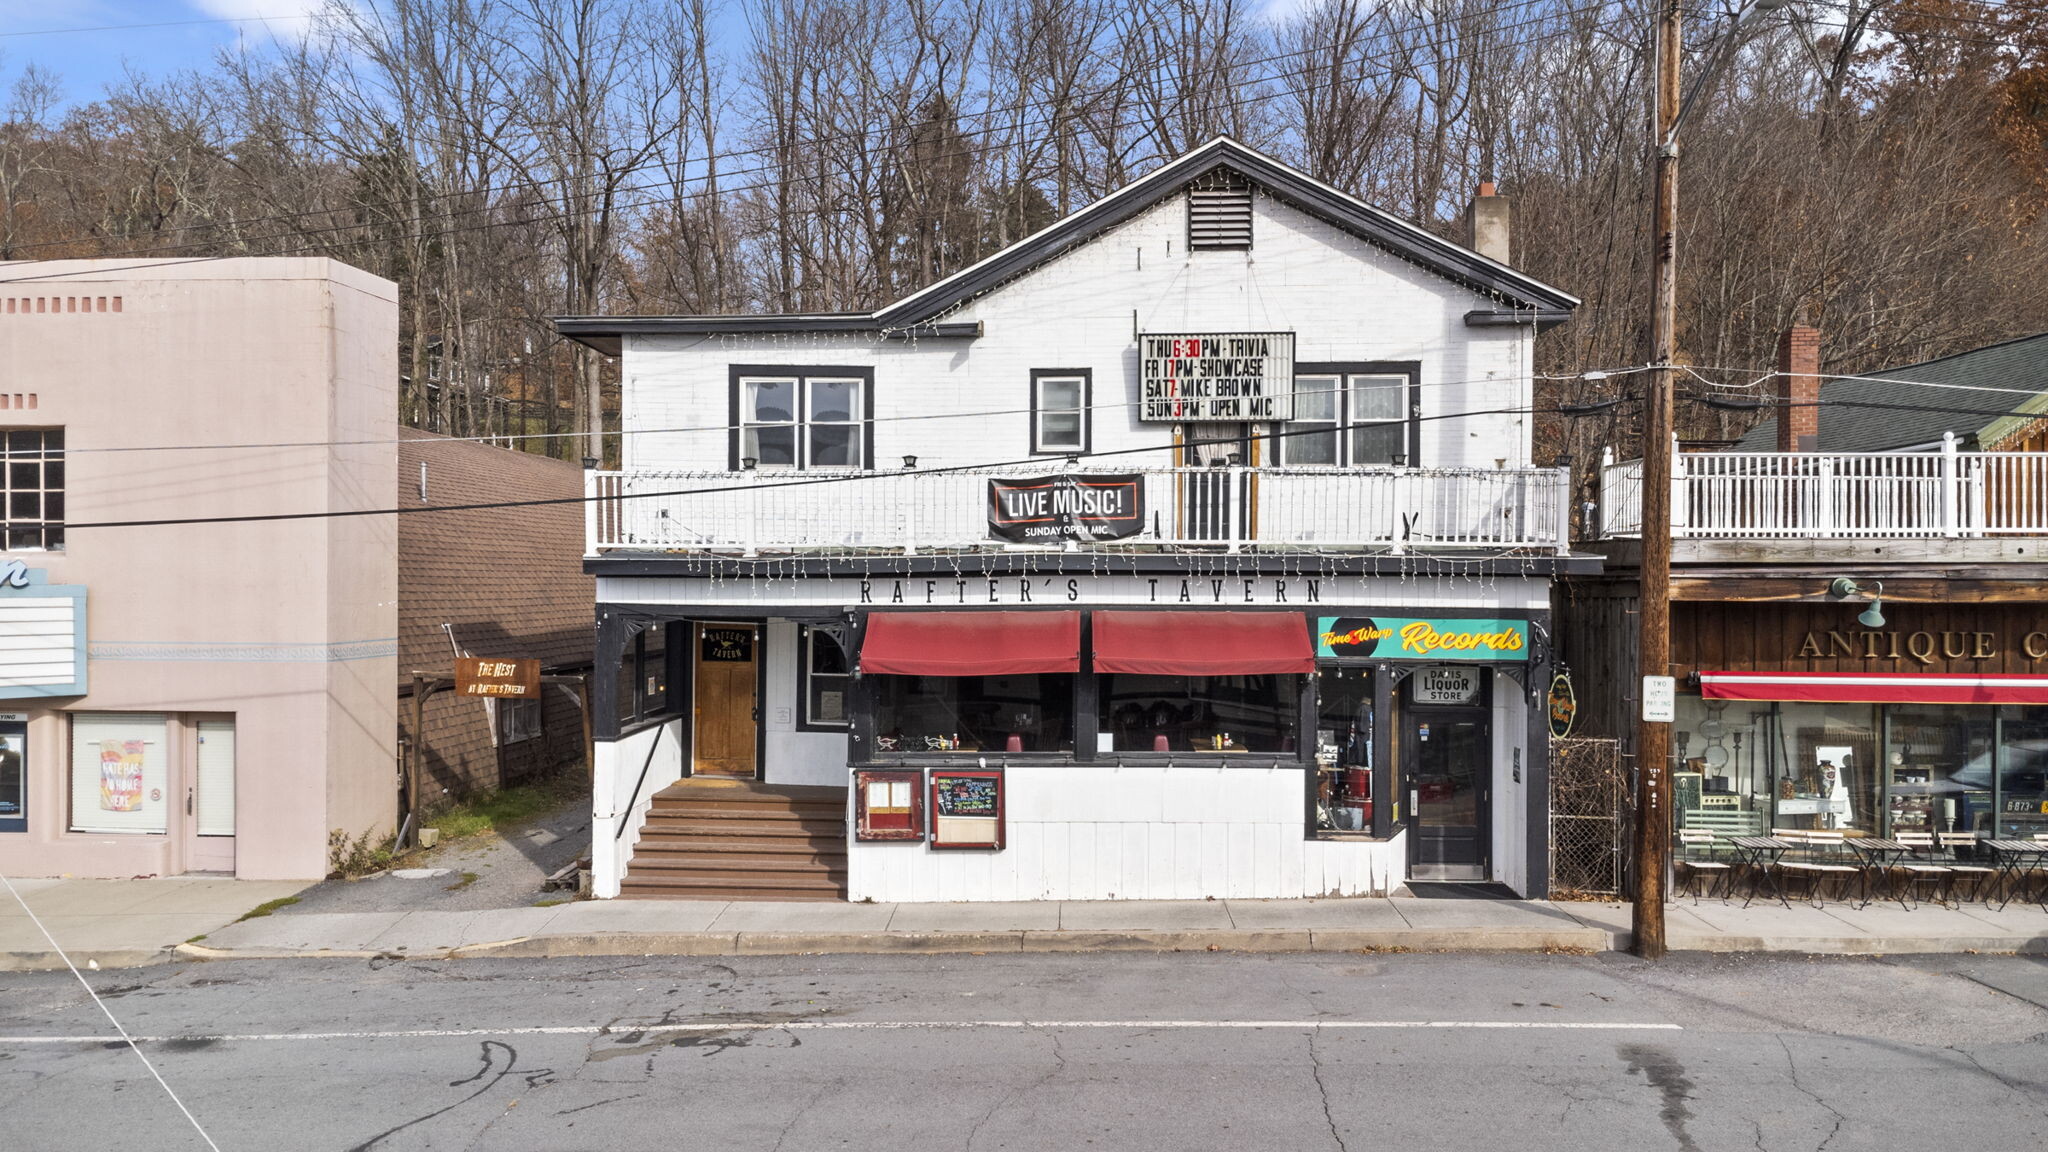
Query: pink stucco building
206, 695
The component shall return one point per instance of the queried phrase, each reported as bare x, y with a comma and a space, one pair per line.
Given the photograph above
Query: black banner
1053, 509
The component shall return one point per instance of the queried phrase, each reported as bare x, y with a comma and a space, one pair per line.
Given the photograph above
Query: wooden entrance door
727, 705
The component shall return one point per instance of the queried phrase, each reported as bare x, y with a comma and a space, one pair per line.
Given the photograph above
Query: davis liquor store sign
1219, 377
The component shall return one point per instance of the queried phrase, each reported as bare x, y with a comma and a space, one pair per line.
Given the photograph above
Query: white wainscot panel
1138, 833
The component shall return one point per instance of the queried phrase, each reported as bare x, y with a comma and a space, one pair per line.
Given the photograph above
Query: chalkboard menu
967, 809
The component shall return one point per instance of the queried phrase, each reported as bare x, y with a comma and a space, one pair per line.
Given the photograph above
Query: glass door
1449, 762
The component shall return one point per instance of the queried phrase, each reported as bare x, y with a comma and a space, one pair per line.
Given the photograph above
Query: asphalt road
1119, 1051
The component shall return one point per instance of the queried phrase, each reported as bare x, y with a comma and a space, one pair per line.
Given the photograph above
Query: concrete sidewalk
122, 923
125, 923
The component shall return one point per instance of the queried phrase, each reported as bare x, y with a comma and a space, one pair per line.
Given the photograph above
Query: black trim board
884, 565
916, 314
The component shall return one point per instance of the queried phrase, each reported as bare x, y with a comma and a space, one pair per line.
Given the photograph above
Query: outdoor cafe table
1752, 851
1880, 855
2017, 860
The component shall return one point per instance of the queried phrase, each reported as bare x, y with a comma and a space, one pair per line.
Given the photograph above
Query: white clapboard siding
1137, 833
38, 641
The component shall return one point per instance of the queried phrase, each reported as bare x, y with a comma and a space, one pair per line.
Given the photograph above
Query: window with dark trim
644, 676
802, 417
13, 775
1353, 415
824, 681
32, 489
1060, 402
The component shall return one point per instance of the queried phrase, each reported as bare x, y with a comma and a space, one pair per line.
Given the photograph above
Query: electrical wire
839, 137
652, 190
1040, 461
1106, 406
109, 1013
1694, 370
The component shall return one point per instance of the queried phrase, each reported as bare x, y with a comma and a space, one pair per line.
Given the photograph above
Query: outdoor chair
1696, 859
1917, 872
1965, 868
1813, 861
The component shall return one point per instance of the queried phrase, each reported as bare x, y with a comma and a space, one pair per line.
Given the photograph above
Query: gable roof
1967, 394
1526, 300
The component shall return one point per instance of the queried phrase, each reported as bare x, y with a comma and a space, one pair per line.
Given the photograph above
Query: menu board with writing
888, 804
967, 809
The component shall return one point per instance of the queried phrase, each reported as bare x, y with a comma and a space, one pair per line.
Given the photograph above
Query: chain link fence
1589, 818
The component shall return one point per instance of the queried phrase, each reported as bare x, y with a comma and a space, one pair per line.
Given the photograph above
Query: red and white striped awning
1875, 687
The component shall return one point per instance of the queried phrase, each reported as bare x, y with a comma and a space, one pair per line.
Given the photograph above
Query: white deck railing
1398, 509
1792, 495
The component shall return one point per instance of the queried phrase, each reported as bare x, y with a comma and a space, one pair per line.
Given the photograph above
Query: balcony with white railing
1837, 495
910, 512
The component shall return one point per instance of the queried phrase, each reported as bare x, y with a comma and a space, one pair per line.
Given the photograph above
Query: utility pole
1653, 641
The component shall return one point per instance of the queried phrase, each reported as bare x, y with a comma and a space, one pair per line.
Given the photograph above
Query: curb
1583, 940
41, 961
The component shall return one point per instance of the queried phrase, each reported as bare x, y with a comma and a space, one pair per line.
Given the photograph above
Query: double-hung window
797, 418
32, 489
1059, 410
1352, 415
827, 680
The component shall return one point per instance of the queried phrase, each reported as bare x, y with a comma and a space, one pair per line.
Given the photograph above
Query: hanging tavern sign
1216, 376
1045, 509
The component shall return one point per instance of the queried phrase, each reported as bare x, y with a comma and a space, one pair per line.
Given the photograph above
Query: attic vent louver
1219, 213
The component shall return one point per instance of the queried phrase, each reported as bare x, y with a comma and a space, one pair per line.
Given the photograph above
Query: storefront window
1024, 713
1344, 749
119, 772
13, 773
826, 683
1939, 764
1825, 756
1202, 713
1743, 768
2022, 772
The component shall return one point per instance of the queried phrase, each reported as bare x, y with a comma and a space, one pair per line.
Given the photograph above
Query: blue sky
186, 34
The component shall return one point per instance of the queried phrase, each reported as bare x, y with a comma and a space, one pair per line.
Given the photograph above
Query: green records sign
1413, 638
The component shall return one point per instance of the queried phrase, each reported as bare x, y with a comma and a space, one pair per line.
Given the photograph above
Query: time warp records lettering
1922, 647
1053, 590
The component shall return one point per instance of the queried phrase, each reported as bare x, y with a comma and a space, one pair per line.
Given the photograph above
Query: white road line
862, 1025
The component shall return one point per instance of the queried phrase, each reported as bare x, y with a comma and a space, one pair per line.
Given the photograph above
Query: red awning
1202, 643
971, 643
1875, 687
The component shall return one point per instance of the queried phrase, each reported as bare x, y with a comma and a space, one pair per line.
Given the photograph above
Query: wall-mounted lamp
1399, 459
1871, 617
910, 461
747, 463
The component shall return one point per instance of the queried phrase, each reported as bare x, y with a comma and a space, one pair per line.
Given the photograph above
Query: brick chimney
1486, 223
1799, 389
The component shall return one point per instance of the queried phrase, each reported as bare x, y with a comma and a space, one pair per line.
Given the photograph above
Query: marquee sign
1406, 638
1216, 377
42, 634
1045, 509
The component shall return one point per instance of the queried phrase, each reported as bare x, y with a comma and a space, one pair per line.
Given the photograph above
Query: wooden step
737, 812
750, 833
750, 888
728, 846
737, 870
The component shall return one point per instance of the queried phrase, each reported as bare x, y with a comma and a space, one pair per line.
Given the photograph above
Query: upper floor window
32, 489
1059, 410
1345, 418
802, 417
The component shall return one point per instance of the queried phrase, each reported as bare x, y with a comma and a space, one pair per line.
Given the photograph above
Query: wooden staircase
710, 839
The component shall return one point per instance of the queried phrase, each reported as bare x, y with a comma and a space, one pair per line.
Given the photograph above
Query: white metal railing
1399, 509
1791, 495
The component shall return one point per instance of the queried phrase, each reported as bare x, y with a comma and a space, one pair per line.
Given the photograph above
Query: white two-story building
1190, 547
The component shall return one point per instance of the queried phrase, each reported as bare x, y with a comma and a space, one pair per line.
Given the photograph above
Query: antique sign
1216, 376
1054, 509
475, 676
1407, 638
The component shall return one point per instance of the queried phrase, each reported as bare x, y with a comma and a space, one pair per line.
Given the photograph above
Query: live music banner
1053, 509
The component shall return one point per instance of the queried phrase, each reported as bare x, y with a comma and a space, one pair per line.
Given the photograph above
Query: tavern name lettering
1921, 647
1067, 589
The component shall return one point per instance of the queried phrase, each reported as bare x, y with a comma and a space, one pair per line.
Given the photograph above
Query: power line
654, 188
1107, 406
757, 486
860, 134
